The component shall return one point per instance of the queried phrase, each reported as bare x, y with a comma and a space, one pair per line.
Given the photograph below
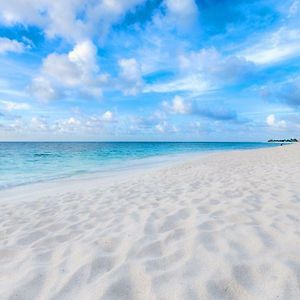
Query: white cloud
130, 76
10, 105
62, 18
71, 125
213, 66
39, 124
165, 127
181, 7
182, 13
60, 68
76, 20
73, 121
177, 106
294, 8
273, 122
84, 56
130, 69
204, 71
108, 12
160, 128
280, 45
195, 84
107, 116
74, 68
25, 12
7, 45
180, 106
42, 88
76, 71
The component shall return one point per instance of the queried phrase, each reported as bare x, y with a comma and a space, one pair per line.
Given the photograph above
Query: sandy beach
222, 226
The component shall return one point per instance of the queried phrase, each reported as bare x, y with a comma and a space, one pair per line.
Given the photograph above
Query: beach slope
223, 226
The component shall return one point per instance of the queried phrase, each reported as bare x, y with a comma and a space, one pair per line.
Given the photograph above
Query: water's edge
26, 163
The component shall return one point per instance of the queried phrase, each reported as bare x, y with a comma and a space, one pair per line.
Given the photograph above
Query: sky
149, 70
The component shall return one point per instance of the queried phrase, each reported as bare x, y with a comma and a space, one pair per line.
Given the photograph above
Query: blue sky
211, 70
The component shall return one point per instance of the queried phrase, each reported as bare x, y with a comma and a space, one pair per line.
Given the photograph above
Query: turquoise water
28, 162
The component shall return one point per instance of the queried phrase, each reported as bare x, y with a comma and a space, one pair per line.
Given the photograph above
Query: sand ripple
222, 227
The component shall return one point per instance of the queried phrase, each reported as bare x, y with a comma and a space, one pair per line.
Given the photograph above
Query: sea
30, 162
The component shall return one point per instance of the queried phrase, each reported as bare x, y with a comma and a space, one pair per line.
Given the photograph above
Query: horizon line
122, 141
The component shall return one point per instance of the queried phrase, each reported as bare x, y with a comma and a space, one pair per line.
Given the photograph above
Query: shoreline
221, 226
138, 165
109, 176
44, 164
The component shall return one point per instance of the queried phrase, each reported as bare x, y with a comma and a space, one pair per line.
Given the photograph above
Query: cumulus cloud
43, 89
270, 120
181, 13
68, 125
62, 74
107, 116
273, 122
8, 45
152, 51
73, 121
79, 19
73, 124
205, 71
213, 66
73, 20
165, 127
147, 126
179, 105
39, 124
36, 125
130, 77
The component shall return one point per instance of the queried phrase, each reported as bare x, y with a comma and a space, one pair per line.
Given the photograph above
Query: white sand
225, 226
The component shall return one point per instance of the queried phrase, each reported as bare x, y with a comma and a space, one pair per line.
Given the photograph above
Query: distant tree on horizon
283, 141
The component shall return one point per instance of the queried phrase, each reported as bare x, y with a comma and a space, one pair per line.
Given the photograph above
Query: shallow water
28, 162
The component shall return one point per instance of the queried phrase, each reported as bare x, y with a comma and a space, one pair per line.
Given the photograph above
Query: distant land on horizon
283, 141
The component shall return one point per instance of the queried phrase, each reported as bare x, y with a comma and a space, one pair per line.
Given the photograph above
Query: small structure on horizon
283, 141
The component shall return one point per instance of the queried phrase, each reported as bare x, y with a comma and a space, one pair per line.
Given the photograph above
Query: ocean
29, 162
